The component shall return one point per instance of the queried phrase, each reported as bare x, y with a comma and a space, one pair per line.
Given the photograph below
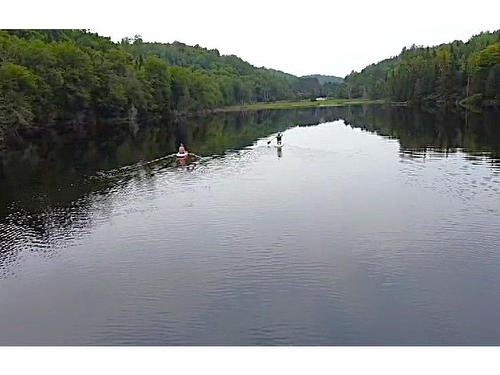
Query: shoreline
253, 107
292, 104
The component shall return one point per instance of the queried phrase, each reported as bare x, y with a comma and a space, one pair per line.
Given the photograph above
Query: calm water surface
373, 226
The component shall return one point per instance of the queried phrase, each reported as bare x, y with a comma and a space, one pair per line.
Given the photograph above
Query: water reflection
42, 185
213, 230
420, 132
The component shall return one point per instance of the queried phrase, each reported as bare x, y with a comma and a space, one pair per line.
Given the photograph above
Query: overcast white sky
299, 37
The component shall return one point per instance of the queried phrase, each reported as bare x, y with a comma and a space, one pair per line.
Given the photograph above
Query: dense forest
76, 78
452, 73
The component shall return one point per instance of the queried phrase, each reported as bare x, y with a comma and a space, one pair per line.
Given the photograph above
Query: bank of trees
444, 74
75, 78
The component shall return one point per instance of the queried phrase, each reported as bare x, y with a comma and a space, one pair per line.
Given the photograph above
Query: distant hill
466, 72
325, 79
50, 77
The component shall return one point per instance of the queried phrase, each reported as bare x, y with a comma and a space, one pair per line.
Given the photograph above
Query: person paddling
182, 149
278, 139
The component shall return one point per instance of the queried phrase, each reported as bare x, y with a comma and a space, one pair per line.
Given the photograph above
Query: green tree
17, 94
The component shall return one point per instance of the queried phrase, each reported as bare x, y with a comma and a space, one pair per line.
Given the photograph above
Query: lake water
372, 226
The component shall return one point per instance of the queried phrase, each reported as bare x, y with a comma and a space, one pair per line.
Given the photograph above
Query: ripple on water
353, 245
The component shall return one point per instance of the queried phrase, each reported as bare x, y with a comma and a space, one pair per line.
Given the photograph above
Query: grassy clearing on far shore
297, 104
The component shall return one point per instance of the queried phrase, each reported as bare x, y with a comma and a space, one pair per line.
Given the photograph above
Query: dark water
373, 225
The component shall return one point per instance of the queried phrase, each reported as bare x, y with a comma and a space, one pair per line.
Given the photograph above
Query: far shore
288, 104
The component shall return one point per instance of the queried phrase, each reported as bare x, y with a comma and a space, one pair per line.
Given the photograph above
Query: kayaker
278, 138
182, 149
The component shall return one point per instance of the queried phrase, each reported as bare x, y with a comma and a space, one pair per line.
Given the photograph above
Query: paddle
271, 140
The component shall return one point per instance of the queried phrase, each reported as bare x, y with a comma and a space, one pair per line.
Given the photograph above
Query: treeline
76, 78
449, 73
227, 80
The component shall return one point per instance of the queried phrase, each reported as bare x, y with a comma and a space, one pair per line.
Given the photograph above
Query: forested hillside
233, 79
323, 79
447, 73
76, 78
